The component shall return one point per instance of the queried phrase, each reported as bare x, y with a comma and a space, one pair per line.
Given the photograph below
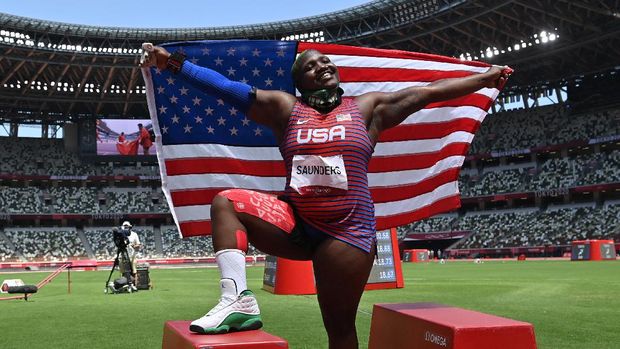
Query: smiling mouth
325, 76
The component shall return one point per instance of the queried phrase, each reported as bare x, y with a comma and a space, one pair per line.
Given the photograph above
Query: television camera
124, 284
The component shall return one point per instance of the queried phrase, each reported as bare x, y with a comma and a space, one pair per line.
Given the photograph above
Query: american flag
205, 145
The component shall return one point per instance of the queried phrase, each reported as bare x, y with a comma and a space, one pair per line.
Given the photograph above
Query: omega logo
435, 339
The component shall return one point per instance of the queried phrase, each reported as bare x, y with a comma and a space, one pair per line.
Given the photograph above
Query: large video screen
133, 137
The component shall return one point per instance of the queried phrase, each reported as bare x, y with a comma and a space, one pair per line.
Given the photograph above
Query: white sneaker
233, 312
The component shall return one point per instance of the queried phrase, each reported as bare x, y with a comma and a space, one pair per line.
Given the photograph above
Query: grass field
571, 304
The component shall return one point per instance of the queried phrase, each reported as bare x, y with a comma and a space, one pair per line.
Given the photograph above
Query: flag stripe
193, 213
364, 74
344, 61
441, 205
225, 180
472, 100
266, 168
390, 178
438, 115
356, 88
421, 146
200, 196
401, 192
411, 204
403, 162
195, 228
181, 151
429, 131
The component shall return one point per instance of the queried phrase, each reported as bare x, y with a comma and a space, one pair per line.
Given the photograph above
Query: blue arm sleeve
236, 93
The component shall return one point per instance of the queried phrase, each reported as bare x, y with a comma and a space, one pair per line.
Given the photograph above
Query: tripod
121, 254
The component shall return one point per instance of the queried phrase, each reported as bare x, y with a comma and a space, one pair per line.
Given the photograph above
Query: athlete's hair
296, 68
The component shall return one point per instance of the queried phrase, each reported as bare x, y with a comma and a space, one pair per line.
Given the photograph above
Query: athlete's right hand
153, 56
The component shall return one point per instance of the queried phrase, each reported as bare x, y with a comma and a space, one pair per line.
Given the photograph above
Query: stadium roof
59, 71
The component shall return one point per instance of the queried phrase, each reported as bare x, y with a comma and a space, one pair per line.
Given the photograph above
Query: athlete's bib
318, 175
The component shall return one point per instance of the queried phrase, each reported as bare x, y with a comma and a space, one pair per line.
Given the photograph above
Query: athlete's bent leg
341, 273
234, 222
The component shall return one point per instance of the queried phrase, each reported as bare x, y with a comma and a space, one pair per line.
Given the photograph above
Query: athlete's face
317, 72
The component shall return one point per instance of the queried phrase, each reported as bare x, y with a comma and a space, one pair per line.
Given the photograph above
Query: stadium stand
34, 156
101, 243
601, 168
20, 199
74, 200
7, 252
47, 244
433, 224
548, 125
175, 247
199, 246
557, 225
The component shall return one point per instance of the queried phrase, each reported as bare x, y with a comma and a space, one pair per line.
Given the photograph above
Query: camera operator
133, 246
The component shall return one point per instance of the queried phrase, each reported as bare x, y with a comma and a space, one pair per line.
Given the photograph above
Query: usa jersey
326, 158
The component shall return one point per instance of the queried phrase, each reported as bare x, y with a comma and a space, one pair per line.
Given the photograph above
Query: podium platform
178, 336
432, 326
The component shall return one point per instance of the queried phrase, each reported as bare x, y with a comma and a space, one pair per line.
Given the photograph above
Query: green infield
571, 304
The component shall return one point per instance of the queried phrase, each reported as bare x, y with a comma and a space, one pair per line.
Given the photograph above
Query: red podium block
434, 326
178, 336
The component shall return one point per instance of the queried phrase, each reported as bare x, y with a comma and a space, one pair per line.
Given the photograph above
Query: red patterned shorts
264, 206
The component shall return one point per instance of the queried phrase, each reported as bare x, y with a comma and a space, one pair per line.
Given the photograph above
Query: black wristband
253, 93
175, 62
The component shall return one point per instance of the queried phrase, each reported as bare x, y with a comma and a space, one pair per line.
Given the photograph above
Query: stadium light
536, 39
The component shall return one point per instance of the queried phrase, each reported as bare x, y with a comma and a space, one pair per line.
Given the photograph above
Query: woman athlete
326, 213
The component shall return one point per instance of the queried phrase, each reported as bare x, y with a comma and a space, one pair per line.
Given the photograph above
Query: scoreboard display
269, 275
580, 252
608, 251
386, 270
383, 267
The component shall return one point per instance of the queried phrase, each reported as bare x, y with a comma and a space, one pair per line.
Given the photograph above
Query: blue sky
171, 14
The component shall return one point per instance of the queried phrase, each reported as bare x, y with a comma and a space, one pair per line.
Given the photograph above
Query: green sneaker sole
234, 322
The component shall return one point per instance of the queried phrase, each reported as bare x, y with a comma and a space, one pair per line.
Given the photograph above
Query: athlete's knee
220, 203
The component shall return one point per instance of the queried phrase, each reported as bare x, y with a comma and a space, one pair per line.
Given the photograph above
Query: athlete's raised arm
385, 110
